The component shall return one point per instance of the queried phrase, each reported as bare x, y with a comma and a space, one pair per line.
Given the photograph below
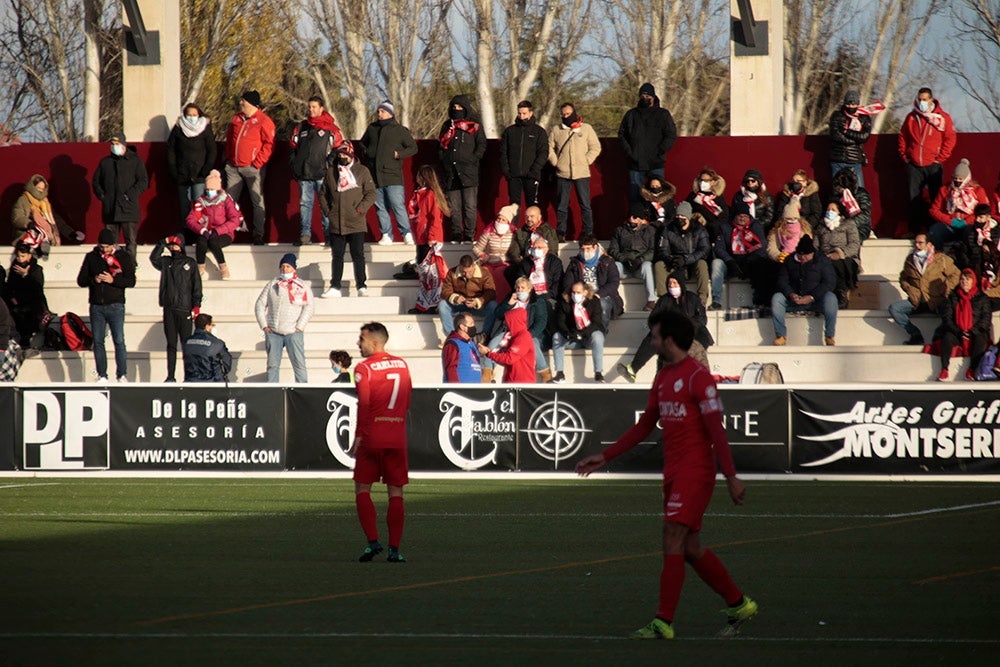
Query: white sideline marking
937, 510
14, 486
473, 635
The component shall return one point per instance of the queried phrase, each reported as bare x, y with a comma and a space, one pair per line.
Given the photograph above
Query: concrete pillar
151, 84
757, 82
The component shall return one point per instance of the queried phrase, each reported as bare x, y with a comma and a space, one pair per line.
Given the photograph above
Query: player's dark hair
341, 357
465, 261
378, 330
202, 320
676, 325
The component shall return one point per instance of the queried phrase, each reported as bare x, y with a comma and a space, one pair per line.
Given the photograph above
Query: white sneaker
408, 238
123, 380
331, 293
363, 291
101, 379
385, 240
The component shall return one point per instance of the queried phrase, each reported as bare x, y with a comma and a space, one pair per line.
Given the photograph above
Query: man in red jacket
249, 143
926, 140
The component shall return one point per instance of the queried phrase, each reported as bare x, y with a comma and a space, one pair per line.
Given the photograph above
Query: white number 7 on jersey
395, 389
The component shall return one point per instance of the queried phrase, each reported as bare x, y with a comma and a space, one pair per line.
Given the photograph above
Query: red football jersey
384, 388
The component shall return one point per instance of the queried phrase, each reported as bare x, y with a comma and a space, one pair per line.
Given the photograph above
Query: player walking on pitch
379, 448
685, 400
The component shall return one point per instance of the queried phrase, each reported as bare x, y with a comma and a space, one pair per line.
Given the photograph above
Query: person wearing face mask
515, 350
523, 297
573, 147
340, 361
461, 146
214, 220
850, 129
579, 325
190, 155
805, 283
740, 251
707, 199
544, 271
632, 246
856, 201
348, 193
534, 227
492, 246
385, 144
283, 310
926, 141
803, 192
594, 268
647, 132
180, 294
954, 206
686, 302
753, 199
660, 195
683, 246
33, 216
524, 150
118, 181
249, 145
785, 234
24, 293
468, 288
838, 239
927, 278
308, 149
460, 360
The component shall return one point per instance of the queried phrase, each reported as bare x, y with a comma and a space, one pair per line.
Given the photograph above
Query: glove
204, 231
631, 265
957, 223
196, 311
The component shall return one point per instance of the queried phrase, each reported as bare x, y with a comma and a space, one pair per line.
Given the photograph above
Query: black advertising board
454, 428
190, 427
7, 436
896, 432
557, 427
63, 428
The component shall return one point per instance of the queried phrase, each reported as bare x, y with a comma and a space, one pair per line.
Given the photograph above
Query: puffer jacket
933, 286
632, 245
848, 146
275, 309
462, 157
572, 151
346, 210
811, 208
524, 148
763, 206
843, 241
689, 304
863, 220
180, 282
662, 202
921, 144
691, 244
189, 159
220, 216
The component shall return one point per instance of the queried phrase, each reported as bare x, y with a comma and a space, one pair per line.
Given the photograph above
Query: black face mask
680, 223
470, 332
569, 120
456, 114
343, 160
795, 187
656, 191
752, 188
957, 184
645, 103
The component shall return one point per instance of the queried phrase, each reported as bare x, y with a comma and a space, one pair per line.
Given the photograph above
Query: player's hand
353, 451
736, 489
590, 464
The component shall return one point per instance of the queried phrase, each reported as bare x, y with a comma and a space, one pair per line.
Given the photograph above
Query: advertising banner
558, 427
64, 428
197, 428
447, 429
895, 432
8, 437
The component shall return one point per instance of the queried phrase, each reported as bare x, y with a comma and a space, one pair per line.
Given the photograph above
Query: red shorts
685, 500
386, 465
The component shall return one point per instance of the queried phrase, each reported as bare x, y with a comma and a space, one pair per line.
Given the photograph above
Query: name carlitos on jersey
388, 364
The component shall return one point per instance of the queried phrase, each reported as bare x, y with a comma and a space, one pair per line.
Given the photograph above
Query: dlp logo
65, 429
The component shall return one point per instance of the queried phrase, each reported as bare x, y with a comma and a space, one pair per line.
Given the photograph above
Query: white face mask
501, 228
287, 276
211, 193
924, 105
589, 254
674, 291
920, 253
537, 253
705, 186
117, 149
577, 298
523, 296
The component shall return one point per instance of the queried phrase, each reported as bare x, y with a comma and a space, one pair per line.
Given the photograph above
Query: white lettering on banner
187, 409
879, 432
340, 427
63, 433
556, 430
461, 418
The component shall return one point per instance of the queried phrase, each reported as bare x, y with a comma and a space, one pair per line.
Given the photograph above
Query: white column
757, 82
151, 90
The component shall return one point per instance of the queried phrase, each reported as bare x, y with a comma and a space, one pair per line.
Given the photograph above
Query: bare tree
977, 23
810, 34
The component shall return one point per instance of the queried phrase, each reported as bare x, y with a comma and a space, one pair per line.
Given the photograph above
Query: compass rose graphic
556, 430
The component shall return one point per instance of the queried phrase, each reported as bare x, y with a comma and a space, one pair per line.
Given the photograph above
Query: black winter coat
524, 149
814, 278
206, 358
462, 157
646, 134
381, 141
189, 159
180, 282
676, 247
848, 146
309, 149
118, 182
981, 315
632, 246
608, 280
26, 291
566, 321
690, 304
103, 294
811, 208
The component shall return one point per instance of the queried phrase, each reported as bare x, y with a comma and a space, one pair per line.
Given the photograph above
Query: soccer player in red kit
685, 401
379, 448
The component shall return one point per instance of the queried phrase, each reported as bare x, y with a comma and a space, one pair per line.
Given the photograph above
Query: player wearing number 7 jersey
379, 448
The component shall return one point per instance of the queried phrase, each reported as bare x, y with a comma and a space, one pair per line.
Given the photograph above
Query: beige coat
580, 148
939, 278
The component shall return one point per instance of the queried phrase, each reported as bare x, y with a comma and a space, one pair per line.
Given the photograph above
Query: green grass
519, 572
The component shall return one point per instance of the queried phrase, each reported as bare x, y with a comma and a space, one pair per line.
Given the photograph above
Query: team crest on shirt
711, 392
678, 385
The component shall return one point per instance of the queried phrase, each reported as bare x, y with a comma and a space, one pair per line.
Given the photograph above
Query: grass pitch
265, 571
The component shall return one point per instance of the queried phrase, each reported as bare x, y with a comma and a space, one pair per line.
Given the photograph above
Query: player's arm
630, 439
710, 408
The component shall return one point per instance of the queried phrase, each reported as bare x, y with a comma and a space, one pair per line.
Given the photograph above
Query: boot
487, 377
202, 272
224, 270
545, 376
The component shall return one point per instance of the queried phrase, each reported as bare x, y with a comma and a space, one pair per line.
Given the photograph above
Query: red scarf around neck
963, 309
114, 266
297, 293
448, 135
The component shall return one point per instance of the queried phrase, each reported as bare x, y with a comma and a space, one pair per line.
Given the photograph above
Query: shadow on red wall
70, 167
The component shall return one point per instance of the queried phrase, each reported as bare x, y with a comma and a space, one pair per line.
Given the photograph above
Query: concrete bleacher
868, 347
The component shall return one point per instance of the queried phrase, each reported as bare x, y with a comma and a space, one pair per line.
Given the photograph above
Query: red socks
671, 581
714, 573
395, 517
366, 514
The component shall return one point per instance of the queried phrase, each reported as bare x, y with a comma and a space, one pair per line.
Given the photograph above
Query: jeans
637, 179
448, 311
919, 178
594, 342
463, 203
356, 242
646, 273
718, 278
252, 178
177, 325
541, 363
853, 166
295, 344
186, 194
101, 317
308, 191
563, 186
900, 312
827, 305
391, 197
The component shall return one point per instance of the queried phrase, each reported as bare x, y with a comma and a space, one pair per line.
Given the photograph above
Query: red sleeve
362, 381
703, 389
449, 356
637, 433
194, 217
938, 207
266, 142
948, 141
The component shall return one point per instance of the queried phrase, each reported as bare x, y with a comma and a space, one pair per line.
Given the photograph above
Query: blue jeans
391, 196
853, 166
900, 312
448, 311
646, 273
541, 363
582, 186
187, 194
941, 234
295, 344
594, 342
718, 278
101, 317
308, 191
637, 179
827, 305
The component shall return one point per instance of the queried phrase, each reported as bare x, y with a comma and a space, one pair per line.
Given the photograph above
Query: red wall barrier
70, 167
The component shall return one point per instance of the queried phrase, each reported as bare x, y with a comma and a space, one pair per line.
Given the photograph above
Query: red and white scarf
345, 178
708, 201
854, 123
298, 295
790, 243
985, 233
750, 199
743, 241
431, 272
964, 318
448, 135
936, 120
963, 199
537, 276
114, 266
581, 316
850, 203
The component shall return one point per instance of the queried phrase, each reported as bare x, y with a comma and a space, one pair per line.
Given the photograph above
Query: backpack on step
758, 372
76, 335
985, 370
